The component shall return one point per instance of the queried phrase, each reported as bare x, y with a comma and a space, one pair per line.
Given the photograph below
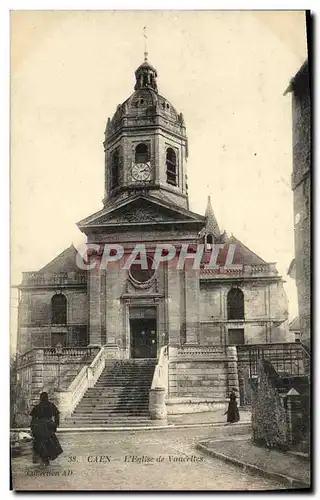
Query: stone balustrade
240, 270
70, 352
50, 355
86, 378
30, 279
96, 367
67, 400
196, 352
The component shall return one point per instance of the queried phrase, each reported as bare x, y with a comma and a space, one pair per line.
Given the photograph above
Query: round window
139, 274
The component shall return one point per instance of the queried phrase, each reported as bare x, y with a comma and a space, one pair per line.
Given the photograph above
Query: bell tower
146, 145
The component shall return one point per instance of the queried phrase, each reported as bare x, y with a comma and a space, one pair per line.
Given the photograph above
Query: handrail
305, 350
86, 378
78, 387
160, 376
96, 367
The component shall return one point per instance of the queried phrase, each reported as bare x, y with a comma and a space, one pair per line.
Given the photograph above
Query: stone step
97, 400
112, 413
120, 385
140, 396
124, 409
102, 403
115, 423
106, 404
125, 374
110, 418
113, 408
106, 414
134, 380
120, 396
125, 380
101, 391
118, 391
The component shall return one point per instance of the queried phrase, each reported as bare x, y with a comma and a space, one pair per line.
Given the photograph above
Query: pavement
291, 470
206, 417
161, 460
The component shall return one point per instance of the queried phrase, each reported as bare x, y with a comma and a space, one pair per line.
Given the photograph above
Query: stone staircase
120, 397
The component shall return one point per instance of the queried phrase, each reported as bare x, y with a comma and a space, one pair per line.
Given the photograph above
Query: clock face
141, 172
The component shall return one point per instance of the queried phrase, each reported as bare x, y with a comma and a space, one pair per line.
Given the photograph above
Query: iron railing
286, 358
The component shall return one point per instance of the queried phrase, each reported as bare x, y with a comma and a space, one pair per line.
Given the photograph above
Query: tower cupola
146, 76
146, 145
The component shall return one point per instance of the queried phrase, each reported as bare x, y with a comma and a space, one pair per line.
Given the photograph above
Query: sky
226, 71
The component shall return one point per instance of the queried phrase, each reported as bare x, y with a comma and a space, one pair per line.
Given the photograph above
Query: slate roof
64, 262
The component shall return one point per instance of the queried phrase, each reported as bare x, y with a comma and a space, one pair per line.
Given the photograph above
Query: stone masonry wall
200, 379
35, 317
265, 312
301, 114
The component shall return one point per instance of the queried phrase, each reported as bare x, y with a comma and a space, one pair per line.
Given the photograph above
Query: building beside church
301, 186
188, 320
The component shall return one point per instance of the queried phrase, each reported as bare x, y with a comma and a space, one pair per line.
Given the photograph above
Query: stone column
95, 302
173, 298
233, 379
294, 417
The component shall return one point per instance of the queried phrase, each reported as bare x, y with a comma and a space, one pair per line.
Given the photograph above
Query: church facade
132, 310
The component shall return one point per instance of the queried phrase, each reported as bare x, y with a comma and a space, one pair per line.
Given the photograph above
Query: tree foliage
268, 414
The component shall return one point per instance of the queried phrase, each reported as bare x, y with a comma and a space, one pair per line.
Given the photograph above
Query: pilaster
95, 302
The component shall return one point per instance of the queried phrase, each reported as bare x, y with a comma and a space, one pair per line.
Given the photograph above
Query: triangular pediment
140, 210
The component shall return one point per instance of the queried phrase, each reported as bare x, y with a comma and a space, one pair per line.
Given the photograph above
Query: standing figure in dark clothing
44, 423
233, 410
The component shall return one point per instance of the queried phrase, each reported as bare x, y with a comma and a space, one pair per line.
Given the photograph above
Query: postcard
160, 250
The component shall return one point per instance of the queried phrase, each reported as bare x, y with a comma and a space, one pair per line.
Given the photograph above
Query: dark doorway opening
143, 335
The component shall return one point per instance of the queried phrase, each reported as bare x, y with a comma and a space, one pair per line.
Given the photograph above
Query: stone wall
265, 312
199, 379
35, 326
39, 370
301, 139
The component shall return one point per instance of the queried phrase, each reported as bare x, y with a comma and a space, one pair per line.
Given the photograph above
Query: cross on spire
145, 43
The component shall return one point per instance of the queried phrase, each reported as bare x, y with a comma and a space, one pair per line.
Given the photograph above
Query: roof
294, 325
243, 254
300, 79
64, 262
292, 269
211, 221
140, 209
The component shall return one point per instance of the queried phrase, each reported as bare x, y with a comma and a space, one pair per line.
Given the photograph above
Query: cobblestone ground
140, 460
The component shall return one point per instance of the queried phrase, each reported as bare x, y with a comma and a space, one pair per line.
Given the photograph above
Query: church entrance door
143, 334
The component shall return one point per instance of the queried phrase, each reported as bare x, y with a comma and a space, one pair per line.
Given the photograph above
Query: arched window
142, 153
115, 164
209, 239
59, 309
171, 162
235, 303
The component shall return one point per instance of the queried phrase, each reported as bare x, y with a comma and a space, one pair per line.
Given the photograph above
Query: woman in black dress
44, 423
233, 410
